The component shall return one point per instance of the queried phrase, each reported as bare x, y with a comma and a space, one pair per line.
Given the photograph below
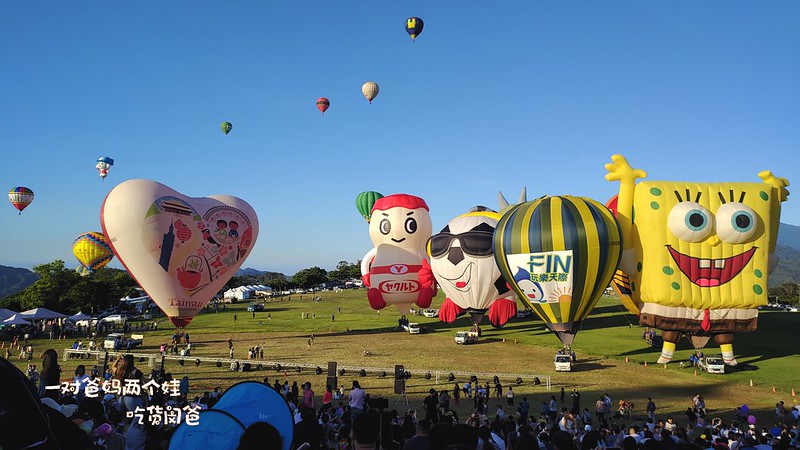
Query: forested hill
14, 279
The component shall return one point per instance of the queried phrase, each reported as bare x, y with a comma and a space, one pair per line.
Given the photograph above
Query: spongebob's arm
776, 182
619, 169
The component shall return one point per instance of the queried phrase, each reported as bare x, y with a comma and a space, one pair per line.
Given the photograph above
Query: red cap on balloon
180, 322
402, 200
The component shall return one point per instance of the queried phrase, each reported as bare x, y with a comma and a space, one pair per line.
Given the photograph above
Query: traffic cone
695, 372
751, 382
645, 363
773, 388
626, 359
793, 393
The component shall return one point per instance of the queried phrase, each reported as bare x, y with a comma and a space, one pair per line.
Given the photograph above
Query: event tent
41, 314
79, 316
6, 313
15, 320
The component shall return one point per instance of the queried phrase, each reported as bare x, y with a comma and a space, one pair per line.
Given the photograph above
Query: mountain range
14, 279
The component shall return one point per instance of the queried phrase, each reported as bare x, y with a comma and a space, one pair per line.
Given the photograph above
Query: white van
563, 363
413, 328
713, 364
466, 337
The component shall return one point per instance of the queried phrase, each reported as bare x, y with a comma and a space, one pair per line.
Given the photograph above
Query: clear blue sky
492, 96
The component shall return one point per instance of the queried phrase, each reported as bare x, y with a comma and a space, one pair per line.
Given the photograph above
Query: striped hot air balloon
558, 254
364, 202
92, 250
20, 197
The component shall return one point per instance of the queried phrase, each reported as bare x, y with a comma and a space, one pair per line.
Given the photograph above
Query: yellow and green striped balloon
558, 254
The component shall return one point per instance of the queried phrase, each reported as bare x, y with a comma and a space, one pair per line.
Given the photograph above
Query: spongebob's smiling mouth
711, 272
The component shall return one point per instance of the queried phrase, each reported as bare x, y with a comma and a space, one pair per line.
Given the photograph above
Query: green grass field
524, 346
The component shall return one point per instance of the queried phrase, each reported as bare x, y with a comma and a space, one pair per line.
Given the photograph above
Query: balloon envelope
20, 197
365, 201
323, 104
103, 164
226, 127
558, 254
181, 250
370, 90
92, 250
414, 26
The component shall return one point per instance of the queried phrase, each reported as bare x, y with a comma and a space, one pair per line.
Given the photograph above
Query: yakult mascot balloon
397, 271
697, 255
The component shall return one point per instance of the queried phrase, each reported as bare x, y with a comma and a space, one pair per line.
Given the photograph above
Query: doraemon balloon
396, 270
463, 264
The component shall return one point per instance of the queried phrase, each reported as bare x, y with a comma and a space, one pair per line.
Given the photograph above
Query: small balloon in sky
20, 197
103, 164
226, 127
414, 27
370, 90
323, 104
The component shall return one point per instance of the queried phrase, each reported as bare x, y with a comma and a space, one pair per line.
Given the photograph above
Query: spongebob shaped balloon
698, 254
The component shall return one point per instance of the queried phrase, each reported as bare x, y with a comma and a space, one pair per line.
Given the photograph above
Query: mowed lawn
524, 346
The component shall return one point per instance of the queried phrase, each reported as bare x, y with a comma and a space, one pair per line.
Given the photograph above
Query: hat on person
587, 428
66, 410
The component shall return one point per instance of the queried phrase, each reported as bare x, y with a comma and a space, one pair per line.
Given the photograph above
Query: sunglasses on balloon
473, 243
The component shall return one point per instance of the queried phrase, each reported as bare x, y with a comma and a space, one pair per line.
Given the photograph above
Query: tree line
65, 290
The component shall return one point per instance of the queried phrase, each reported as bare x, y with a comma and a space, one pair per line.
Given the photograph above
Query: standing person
308, 396
327, 397
600, 410
456, 394
431, 403
50, 375
235, 317
510, 396
80, 380
356, 400
576, 402
651, 409
295, 392
420, 440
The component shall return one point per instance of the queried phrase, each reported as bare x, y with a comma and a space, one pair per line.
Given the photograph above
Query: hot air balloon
370, 90
323, 104
103, 164
92, 250
20, 197
181, 250
226, 127
463, 264
558, 254
364, 202
697, 255
414, 27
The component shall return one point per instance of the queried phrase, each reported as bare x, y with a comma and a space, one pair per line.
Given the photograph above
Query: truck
712, 364
118, 341
466, 337
412, 328
563, 363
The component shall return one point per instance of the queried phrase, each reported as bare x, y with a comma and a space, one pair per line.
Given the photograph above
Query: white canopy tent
79, 316
41, 314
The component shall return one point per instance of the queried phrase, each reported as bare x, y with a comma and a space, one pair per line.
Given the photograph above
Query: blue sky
493, 96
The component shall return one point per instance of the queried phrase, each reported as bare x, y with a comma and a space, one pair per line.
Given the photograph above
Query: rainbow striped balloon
559, 255
20, 197
92, 250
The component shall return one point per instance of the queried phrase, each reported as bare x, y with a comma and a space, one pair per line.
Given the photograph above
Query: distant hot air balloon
370, 90
20, 197
323, 104
558, 254
414, 27
92, 250
103, 164
226, 127
364, 202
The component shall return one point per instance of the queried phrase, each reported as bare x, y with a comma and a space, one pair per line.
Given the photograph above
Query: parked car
114, 318
712, 364
431, 312
412, 328
563, 363
255, 307
116, 341
466, 337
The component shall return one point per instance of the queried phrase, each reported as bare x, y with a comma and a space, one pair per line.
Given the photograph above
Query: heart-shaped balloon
181, 250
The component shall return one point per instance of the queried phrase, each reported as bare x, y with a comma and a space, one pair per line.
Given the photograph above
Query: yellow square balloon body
704, 246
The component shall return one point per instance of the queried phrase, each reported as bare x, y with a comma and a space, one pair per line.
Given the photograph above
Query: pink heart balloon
181, 250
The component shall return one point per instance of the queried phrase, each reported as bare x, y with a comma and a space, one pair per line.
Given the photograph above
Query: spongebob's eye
690, 221
411, 225
736, 223
385, 226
